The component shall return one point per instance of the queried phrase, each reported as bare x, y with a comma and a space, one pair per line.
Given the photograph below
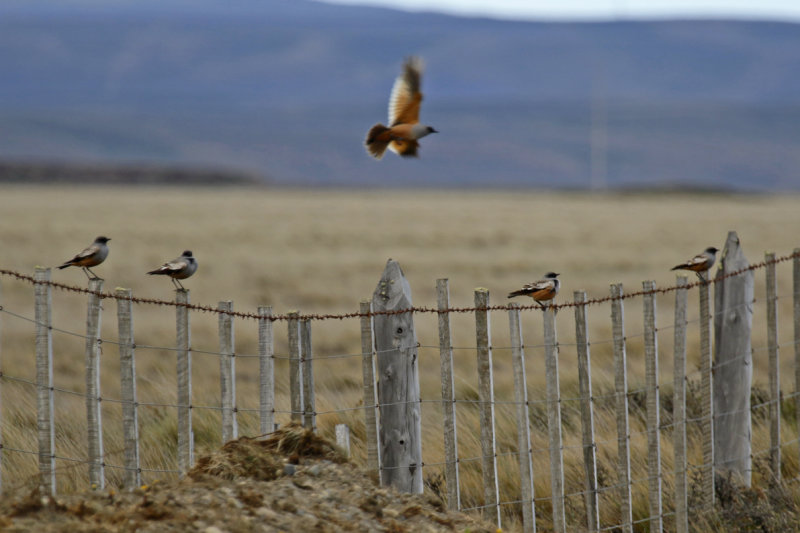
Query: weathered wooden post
2, 443
523, 425
653, 403
774, 368
733, 374
369, 390
679, 407
796, 305
295, 368
127, 368
554, 420
398, 382
587, 412
266, 370
448, 397
184, 378
309, 403
227, 371
621, 404
491, 489
93, 413
43, 313
706, 367
343, 438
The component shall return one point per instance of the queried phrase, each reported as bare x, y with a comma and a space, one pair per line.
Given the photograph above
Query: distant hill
288, 88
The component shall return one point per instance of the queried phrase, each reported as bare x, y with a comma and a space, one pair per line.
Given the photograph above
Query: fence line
301, 383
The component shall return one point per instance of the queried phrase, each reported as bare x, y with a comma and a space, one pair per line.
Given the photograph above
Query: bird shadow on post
398, 383
733, 362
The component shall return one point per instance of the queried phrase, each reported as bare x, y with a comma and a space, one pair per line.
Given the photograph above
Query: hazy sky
592, 9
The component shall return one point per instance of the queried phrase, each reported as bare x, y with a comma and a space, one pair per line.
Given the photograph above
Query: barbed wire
329, 316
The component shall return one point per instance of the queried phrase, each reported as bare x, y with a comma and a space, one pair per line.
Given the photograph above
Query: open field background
322, 251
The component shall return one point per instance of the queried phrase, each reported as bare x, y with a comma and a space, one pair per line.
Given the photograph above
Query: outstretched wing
406, 97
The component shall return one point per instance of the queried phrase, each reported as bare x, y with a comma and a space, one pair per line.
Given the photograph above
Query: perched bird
404, 127
92, 255
542, 290
179, 268
699, 263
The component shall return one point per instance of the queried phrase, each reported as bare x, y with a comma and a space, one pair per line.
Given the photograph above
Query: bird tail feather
376, 145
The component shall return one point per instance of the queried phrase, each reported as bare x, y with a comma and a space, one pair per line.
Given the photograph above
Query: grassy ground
322, 251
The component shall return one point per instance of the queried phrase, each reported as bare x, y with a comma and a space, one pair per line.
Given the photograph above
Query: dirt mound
291, 481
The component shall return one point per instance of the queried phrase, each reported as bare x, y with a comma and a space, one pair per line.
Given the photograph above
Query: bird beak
434, 131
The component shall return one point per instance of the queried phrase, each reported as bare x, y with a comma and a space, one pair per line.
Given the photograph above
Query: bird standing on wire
699, 263
542, 290
179, 268
92, 255
404, 127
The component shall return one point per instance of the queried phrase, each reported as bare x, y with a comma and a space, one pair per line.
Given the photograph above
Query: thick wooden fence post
679, 407
342, 432
266, 370
398, 385
369, 391
227, 371
523, 425
554, 420
309, 404
621, 402
774, 368
587, 412
491, 489
733, 374
184, 373
2, 368
93, 413
295, 368
706, 399
653, 418
448, 397
127, 368
43, 313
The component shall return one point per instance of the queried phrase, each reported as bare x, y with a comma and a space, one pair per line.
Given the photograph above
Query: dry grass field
322, 251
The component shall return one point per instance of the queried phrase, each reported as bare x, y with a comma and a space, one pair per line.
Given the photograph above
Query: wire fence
609, 493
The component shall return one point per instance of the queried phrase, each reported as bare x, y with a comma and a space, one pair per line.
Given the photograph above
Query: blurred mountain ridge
288, 88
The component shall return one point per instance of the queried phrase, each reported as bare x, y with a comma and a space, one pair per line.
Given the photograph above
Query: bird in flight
699, 263
405, 130
542, 290
179, 268
92, 255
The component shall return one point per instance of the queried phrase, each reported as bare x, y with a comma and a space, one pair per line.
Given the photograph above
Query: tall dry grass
321, 251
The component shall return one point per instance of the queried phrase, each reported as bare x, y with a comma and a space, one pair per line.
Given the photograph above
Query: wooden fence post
733, 373
127, 367
621, 401
227, 371
266, 370
44, 381
184, 373
587, 412
706, 399
523, 426
679, 407
653, 403
2, 369
796, 301
295, 368
309, 404
370, 392
491, 489
554, 419
398, 383
93, 413
774, 368
343, 438
448, 397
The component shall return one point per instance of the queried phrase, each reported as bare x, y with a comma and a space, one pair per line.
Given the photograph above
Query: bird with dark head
699, 263
541, 291
179, 268
92, 255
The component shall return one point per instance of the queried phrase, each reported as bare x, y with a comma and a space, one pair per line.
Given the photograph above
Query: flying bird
699, 263
92, 255
404, 127
179, 268
542, 290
